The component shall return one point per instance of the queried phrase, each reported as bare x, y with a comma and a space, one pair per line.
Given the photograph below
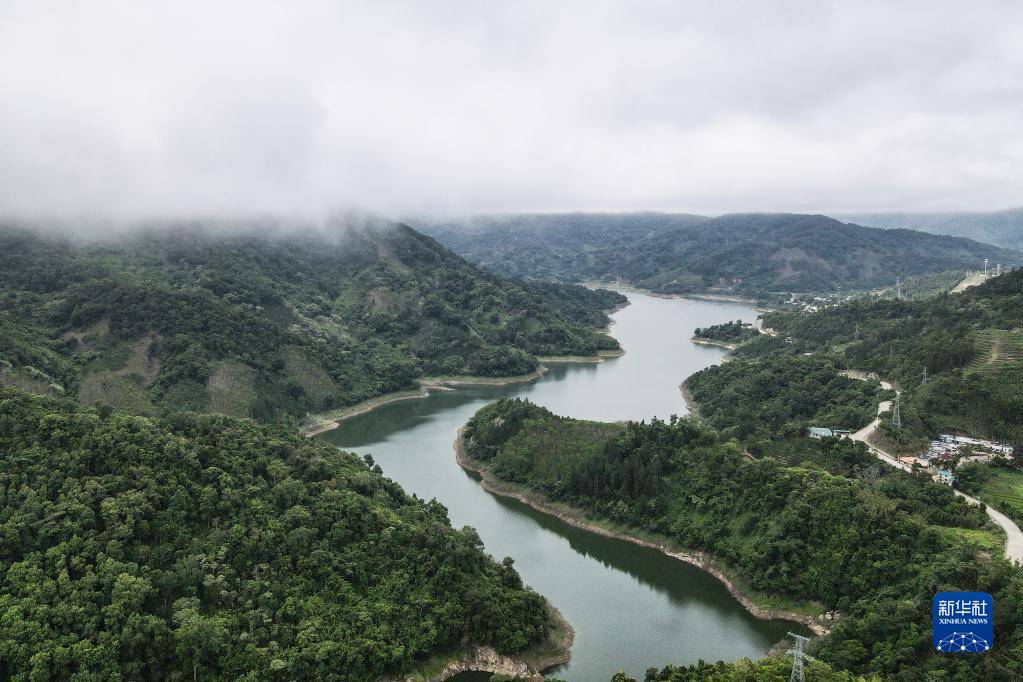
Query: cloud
137, 109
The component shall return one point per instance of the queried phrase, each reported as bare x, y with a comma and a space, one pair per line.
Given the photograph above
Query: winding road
1013, 535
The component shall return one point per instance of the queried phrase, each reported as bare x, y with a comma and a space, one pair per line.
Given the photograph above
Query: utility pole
896, 414
798, 657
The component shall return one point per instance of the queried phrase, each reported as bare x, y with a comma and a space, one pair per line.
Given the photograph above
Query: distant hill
553, 247
740, 253
1001, 228
267, 322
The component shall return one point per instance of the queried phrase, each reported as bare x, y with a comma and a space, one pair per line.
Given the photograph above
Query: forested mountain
567, 247
266, 320
205, 547
830, 524
741, 253
1002, 228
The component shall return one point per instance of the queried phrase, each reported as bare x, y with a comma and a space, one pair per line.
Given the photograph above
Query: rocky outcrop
485, 659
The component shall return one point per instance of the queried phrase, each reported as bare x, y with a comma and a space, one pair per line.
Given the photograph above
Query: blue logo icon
964, 622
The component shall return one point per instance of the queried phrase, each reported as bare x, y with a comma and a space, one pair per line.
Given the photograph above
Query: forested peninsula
830, 526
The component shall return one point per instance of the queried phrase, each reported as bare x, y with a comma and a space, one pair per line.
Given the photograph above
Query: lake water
632, 607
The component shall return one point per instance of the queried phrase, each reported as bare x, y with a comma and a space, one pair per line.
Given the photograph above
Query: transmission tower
923, 380
857, 331
798, 657
896, 414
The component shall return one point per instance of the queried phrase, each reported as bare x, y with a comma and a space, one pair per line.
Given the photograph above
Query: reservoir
632, 607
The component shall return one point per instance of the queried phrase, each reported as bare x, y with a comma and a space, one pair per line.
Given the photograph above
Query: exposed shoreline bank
328, 421
720, 298
690, 401
714, 342
578, 518
528, 664
601, 356
321, 422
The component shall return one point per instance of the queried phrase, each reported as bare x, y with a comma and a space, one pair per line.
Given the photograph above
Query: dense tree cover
277, 322
206, 547
770, 669
969, 343
29, 359
743, 253
728, 332
768, 391
874, 544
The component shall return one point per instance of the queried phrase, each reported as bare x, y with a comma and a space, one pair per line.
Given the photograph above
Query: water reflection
632, 607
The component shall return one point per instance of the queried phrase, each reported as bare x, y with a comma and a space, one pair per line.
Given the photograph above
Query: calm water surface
631, 607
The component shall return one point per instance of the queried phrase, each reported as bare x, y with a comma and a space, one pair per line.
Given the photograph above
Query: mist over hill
260, 322
737, 253
1001, 228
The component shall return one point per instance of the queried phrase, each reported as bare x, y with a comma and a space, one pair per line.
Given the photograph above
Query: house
993, 446
945, 476
816, 432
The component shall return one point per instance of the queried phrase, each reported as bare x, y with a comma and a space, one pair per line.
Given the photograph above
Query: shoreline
714, 342
601, 356
721, 298
577, 518
690, 401
322, 422
528, 664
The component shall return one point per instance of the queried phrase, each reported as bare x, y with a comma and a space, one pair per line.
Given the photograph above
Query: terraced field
998, 349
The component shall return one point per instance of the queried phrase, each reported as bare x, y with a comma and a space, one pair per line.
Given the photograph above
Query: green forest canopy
201, 545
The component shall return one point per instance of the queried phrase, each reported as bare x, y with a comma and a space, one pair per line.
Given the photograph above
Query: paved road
1013, 535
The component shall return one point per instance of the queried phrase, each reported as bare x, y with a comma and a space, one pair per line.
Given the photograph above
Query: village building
817, 432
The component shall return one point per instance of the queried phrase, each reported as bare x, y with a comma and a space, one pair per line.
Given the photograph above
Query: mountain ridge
740, 253
1002, 228
268, 325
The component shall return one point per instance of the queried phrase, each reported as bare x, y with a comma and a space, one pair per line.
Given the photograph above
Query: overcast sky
136, 108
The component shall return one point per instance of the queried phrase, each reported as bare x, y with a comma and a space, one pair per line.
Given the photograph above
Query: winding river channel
631, 607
